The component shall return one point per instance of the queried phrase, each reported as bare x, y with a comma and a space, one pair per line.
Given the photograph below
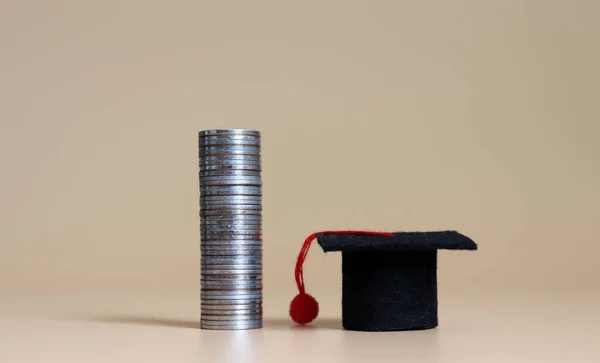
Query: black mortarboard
389, 280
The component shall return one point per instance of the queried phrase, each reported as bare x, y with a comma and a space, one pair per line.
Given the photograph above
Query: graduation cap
389, 280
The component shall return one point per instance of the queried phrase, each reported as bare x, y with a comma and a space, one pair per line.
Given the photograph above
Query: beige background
479, 116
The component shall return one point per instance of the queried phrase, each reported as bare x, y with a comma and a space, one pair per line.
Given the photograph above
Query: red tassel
304, 308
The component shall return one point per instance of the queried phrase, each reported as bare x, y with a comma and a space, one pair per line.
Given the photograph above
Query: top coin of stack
231, 229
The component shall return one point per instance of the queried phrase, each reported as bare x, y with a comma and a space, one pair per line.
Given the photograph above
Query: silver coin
240, 325
255, 258
224, 212
220, 270
210, 190
226, 319
230, 208
232, 252
252, 278
229, 302
231, 260
229, 174
226, 270
210, 213
253, 190
224, 147
229, 314
207, 252
235, 132
233, 243
229, 150
231, 218
230, 294
240, 278
214, 231
246, 152
230, 224
243, 293
206, 295
230, 180
232, 205
205, 326
230, 159
230, 325
219, 211
242, 200
237, 236
203, 174
229, 306
237, 228
239, 240
230, 165
209, 267
211, 258
240, 316
203, 168
215, 226
233, 312
214, 173
255, 166
228, 140
208, 237
241, 231
230, 284
230, 317
231, 249
231, 199
231, 279
213, 218
231, 320
213, 285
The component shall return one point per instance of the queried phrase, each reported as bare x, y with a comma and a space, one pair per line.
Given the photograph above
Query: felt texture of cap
390, 283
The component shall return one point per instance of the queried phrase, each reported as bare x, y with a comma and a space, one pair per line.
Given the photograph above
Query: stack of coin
230, 228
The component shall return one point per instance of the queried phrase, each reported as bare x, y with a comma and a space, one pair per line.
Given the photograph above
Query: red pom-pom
304, 308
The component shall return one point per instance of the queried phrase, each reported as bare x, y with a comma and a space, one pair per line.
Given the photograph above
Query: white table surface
134, 327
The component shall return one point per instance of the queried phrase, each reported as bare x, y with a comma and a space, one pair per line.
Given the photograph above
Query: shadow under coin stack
230, 228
